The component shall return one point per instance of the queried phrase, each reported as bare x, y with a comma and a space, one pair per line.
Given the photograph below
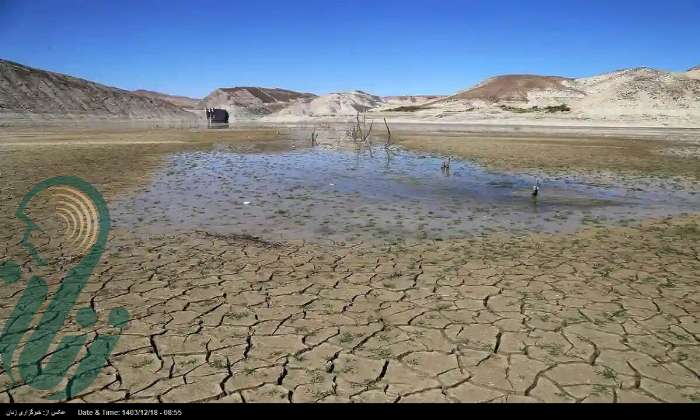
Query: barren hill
252, 101
518, 87
639, 91
26, 92
638, 94
179, 101
410, 99
693, 73
334, 104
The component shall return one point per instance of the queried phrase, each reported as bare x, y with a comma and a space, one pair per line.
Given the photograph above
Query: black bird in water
536, 189
445, 168
446, 164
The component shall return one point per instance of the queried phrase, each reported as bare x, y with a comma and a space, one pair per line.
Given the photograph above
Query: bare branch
388, 140
371, 123
314, 138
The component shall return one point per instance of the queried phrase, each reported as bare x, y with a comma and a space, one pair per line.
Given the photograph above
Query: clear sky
386, 47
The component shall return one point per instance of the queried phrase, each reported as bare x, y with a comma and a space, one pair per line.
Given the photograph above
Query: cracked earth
608, 314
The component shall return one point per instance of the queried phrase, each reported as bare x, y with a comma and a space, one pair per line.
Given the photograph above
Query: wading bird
536, 188
446, 163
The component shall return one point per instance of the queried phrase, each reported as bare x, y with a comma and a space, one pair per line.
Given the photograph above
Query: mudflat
258, 268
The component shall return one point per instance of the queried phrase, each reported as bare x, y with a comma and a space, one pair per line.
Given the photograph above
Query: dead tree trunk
388, 139
314, 138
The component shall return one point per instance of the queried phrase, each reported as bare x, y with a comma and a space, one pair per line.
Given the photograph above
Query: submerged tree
314, 138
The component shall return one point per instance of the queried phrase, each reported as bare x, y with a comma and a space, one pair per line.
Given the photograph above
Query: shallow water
327, 194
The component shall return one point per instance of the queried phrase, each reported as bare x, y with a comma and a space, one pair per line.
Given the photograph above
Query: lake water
330, 194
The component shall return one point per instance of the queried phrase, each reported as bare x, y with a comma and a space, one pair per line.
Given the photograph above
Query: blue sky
385, 47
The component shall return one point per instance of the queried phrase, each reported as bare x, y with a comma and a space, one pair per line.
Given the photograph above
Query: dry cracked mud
608, 314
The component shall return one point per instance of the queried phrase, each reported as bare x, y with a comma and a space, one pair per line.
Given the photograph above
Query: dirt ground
609, 313
651, 157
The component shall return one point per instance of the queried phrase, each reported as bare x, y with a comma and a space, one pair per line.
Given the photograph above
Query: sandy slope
179, 101
642, 91
29, 93
252, 102
520, 88
693, 73
408, 100
332, 105
639, 94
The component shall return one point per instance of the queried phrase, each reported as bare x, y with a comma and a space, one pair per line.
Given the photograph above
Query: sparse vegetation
557, 108
686, 231
360, 133
219, 364
608, 373
406, 108
142, 364
550, 109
